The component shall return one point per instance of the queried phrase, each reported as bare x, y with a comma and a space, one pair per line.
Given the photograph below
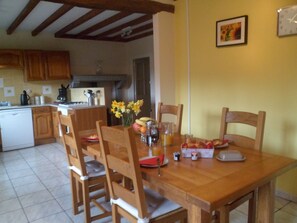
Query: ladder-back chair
176, 110
258, 122
133, 202
85, 177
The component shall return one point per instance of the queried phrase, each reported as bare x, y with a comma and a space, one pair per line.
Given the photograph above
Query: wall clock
287, 21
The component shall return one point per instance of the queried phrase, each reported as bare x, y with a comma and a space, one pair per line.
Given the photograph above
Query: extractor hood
119, 79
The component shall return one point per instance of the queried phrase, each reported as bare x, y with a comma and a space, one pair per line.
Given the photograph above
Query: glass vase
127, 119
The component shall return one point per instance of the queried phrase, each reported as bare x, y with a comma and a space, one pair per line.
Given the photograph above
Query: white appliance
16, 128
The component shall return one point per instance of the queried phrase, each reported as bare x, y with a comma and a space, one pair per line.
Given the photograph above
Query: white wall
139, 49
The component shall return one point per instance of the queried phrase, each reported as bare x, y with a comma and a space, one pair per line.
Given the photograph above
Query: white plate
222, 146
230, 160
165, 162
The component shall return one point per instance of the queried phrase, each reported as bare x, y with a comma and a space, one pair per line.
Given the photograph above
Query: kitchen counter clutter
44, 120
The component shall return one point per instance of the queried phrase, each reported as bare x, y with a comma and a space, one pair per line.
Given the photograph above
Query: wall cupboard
46, 65
11, 59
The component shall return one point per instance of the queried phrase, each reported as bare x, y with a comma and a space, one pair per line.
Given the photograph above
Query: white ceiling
10, 9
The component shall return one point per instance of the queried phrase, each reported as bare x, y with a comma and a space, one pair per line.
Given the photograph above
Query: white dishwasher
16, 128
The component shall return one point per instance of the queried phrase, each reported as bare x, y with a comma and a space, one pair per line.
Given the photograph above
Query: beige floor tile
290, 208
284, 217
280, 203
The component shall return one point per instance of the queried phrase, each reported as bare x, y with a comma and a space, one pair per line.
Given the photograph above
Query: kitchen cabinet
56, 131
86, 117
46, 65
34, 65
58, 65
43, 125
11, 59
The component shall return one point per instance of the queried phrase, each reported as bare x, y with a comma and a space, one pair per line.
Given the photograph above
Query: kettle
24, 98
91, 97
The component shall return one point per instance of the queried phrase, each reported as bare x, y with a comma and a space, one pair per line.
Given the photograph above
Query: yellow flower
119, 108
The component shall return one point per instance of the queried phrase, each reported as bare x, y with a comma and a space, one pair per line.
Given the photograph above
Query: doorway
142, 86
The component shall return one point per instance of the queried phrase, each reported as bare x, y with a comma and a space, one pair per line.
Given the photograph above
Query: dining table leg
265, 210
197, 215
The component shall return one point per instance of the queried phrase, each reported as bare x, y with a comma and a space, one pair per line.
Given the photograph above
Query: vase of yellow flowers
125, 112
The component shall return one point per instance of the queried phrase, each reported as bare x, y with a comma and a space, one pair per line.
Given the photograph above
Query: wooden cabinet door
11, 59
58, 65
55, 124
42, 122
34, 65
86, 118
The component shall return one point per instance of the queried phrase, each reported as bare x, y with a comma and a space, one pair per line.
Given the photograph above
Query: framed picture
232, 31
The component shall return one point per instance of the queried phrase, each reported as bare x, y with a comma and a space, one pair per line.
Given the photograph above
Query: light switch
9, 92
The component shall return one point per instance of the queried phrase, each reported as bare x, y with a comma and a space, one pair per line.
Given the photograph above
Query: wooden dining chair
85, 177
134, 202
257, 121
175, 110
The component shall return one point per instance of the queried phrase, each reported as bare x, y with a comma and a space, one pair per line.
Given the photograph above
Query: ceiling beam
137, 21
56, 15
135, 32
140, 6
91, 14
135, 37
24, 13
104, 23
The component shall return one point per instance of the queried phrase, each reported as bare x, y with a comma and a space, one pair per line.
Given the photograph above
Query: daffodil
119, 109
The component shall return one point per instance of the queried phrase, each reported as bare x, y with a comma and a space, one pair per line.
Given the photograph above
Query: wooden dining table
207, 184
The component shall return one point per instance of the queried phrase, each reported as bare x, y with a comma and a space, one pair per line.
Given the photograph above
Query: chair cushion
157, 205
94, 168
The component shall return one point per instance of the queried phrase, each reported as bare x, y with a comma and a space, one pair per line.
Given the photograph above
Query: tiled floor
34, 187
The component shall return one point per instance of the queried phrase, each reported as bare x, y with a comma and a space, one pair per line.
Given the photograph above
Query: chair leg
107, 195
86, 201
115, 215
74, 191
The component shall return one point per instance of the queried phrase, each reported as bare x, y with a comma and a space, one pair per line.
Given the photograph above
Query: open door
142, 84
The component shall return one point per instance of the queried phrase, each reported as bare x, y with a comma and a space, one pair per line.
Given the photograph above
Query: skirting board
286, 195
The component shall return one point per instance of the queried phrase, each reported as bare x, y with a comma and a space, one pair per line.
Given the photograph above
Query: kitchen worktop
52, 105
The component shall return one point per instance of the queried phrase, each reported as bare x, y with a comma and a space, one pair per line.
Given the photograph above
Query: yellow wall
261, 75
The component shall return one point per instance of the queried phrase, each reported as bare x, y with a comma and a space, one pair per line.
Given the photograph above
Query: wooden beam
56, 15
139, 36
24, 13
103, 23
91, 14
135, 33
140, 6
137, 21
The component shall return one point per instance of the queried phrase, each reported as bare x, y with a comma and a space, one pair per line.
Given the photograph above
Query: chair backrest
252, 119
72, 145
176, 110
128, 166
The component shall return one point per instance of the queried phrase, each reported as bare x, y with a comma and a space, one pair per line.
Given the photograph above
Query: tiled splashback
77, 94
13, 86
